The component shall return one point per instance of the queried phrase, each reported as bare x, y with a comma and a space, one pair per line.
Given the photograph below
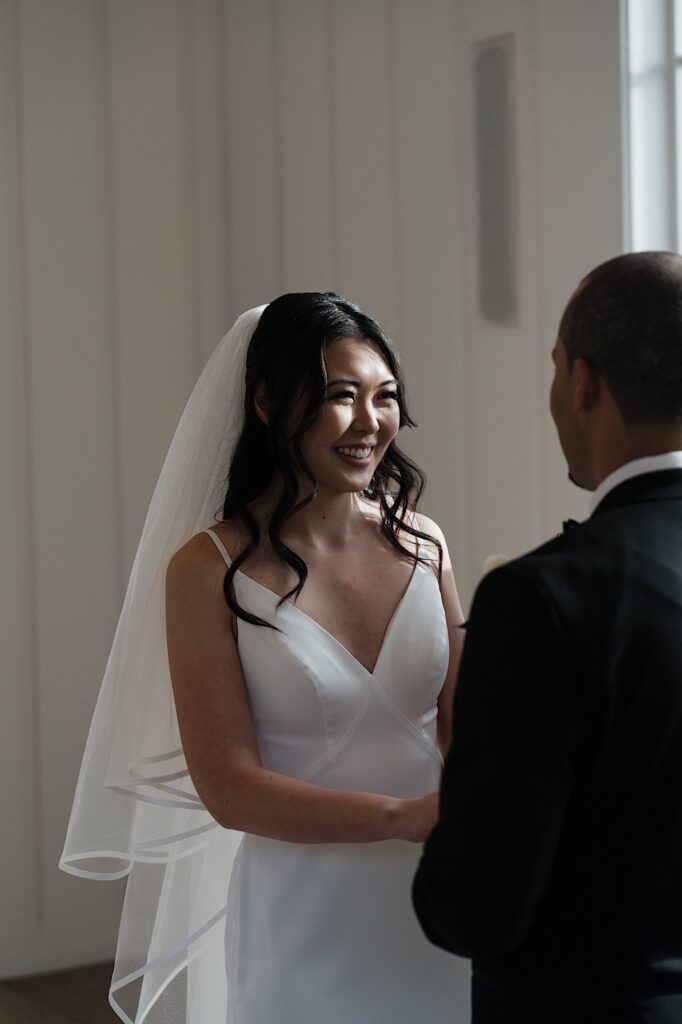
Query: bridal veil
135, 811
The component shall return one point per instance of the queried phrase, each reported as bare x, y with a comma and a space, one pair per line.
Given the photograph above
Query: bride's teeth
356, 453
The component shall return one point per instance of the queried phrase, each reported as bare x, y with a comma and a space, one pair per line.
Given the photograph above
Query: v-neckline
335, 640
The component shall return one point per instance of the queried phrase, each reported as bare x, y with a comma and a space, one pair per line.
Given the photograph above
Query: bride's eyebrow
358, 384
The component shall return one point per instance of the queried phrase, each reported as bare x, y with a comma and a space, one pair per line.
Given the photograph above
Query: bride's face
358, 421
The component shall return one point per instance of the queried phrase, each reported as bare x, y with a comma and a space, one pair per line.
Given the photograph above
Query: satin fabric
325, 933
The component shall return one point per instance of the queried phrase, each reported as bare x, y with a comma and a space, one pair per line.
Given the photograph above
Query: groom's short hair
625, 319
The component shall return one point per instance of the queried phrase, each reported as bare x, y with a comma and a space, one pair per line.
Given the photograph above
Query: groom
557, 860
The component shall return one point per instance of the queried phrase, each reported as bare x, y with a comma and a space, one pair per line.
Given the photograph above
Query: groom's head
617, 391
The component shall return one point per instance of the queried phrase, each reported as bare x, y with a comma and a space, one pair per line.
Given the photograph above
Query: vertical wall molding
187, 26
253, 265
395, 179
427, 211
277, 143
117, 404
580, 187
22, 632
209, 182
330, 78
37, 763
363, 151
36, 723
543, 361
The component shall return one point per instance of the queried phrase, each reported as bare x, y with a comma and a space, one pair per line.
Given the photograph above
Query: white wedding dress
325, 933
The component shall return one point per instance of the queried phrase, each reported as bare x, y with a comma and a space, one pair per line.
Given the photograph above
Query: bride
312, 646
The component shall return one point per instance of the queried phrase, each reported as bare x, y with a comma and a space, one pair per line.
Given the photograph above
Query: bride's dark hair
286, 358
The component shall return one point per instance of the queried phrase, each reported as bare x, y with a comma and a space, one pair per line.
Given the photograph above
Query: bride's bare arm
454, 619
218, 735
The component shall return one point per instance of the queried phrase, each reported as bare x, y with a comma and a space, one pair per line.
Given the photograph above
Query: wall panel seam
395, 182
37, 767
278, 159
114, 329
457, 83
467, 196
227, 294
185, 38
540, 310
332, 114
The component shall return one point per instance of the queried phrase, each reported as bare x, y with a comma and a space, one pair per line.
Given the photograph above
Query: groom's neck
635, 442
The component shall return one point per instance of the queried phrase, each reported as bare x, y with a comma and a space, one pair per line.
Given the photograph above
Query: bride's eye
346, 395
385, 395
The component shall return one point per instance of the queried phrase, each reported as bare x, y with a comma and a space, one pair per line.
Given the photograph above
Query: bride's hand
417, 817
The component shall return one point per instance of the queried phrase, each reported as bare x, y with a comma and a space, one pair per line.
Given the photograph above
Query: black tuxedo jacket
557, 860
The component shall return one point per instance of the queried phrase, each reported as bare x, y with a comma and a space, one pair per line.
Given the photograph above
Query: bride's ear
261, 403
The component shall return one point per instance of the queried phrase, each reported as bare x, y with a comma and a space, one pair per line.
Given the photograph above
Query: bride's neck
329, 521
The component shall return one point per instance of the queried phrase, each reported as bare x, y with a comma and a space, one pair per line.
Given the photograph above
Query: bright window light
654, 48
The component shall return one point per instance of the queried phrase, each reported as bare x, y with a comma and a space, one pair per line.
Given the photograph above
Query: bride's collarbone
328, 581
360, 575
350, 585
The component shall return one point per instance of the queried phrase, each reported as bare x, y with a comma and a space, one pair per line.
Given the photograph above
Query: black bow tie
569, 524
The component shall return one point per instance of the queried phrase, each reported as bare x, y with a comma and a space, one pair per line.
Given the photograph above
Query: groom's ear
585, 385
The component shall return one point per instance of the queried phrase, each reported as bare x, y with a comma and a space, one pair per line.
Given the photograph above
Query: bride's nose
366, 418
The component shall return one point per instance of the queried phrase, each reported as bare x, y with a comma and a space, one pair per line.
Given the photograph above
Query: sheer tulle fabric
135, 811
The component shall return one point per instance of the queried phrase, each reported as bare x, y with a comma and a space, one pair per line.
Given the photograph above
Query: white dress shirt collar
649, 464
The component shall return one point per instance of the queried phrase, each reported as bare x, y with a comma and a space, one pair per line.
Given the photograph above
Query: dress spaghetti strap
220, 546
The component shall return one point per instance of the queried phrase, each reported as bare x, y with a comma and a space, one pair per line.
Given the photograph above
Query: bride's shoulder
430, 543
416, 521
433, 542
426, 525
201, 555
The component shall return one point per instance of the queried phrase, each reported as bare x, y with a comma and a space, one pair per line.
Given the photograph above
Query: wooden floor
67, 997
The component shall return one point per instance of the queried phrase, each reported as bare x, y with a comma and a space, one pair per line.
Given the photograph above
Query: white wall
165, 164
507, 490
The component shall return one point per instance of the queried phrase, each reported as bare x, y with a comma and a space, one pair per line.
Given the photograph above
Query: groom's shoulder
573, 560
575, 541
597, 555
579, 543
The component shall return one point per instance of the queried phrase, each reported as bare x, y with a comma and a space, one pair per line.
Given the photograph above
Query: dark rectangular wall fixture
494, 132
